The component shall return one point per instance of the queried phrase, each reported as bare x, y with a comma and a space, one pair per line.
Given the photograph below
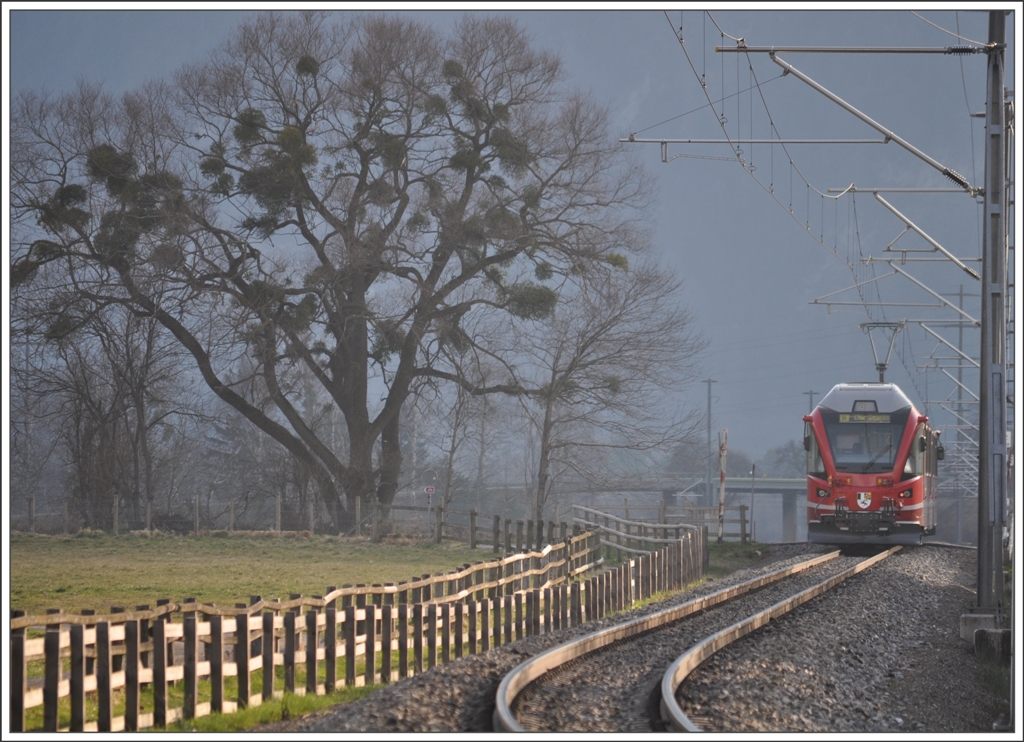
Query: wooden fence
151, 667
621, 537
500, 534
735, 520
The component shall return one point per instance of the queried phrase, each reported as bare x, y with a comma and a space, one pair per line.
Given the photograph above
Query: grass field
96, 571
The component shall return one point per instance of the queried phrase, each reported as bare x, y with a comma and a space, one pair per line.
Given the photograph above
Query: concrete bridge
680, 491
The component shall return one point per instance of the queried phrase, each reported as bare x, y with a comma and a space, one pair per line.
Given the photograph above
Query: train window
815, 466
864, 442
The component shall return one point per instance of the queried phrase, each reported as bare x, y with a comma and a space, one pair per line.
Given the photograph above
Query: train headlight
907, 493
822, 493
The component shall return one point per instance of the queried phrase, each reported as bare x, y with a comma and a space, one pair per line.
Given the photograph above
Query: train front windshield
865, 442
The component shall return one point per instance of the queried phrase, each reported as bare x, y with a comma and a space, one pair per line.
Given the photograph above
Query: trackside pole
723, 448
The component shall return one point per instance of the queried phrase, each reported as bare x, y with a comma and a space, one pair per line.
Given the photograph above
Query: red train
872, 461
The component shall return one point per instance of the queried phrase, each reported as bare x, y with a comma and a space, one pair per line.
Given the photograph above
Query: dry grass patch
97, 571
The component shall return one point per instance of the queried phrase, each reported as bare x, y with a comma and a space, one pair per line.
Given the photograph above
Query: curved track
612, 680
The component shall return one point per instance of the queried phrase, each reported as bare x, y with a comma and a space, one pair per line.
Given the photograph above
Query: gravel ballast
881, 653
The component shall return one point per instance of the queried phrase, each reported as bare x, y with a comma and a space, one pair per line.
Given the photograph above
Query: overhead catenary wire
859, 266
737, 152
957, 34
701, 108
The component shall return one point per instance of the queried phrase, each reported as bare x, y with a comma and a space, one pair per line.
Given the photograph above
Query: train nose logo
863, 500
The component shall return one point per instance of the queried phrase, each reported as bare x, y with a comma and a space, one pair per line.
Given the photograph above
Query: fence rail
186, 660
668, 519
501, 534
620, 536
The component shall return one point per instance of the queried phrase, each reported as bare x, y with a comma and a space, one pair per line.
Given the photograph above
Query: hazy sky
750, 266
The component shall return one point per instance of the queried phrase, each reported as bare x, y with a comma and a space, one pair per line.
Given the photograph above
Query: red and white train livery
871, 467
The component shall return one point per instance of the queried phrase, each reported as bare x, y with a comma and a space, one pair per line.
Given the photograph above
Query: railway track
624, 678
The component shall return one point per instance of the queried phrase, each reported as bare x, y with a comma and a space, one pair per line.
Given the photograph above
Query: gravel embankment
879, 653
904, 667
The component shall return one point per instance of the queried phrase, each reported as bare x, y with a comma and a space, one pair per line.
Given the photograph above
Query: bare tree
787, 460
333, 194
605, 372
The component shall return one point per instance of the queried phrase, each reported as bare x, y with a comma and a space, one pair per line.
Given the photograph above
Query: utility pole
959, 425
810, 401
709, 493
992, 407
723, 451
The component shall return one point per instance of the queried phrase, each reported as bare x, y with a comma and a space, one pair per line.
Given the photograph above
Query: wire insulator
956, 177
961, 50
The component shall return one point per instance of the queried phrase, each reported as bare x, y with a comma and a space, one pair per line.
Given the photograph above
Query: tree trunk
545, 457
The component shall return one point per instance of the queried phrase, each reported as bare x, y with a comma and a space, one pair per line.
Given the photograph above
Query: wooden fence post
312, 644
268, 654
371, 643
191, 679
743, 524
531, 610
485, 624
216, 657
518, 605
402, 629
440, 524
472, 528
103, 677
77, 684
497, 533
19, 676
131, 676
446, 631
496, 610
508, 535
289, 651
159, 673
331, 647
51, 680
519, 536
386, 623
350, 645
507, 618
242, 643
575, 608
431, 635
417, 638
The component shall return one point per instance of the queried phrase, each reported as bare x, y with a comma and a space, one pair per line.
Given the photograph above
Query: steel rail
671, 713
503, 720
